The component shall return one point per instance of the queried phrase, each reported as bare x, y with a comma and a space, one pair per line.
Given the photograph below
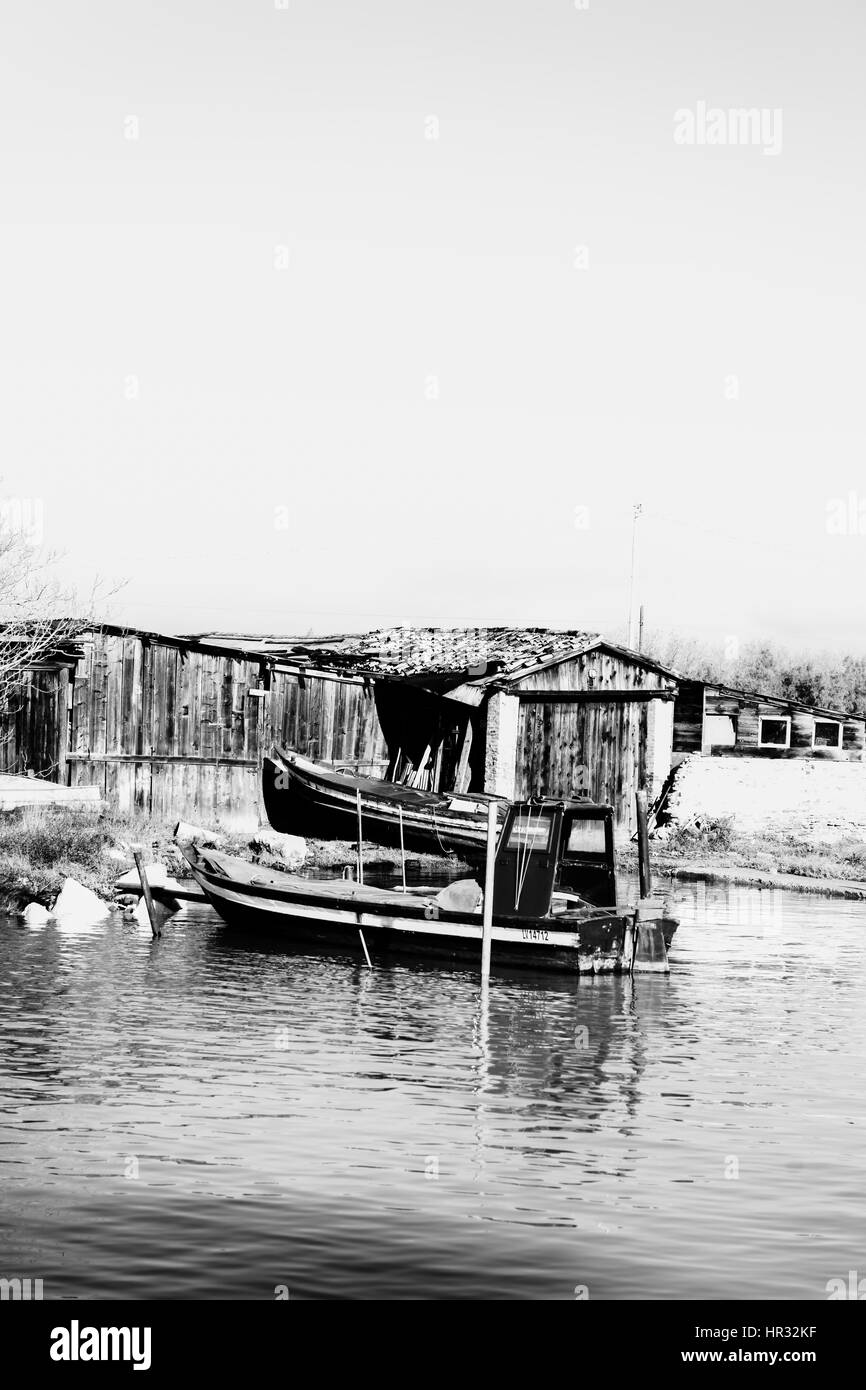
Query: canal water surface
201, 1118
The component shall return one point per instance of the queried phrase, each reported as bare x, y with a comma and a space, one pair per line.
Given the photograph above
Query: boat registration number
534, 934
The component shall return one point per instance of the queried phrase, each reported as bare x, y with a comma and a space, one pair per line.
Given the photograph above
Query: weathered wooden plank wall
747, 710
566, 748
689, 717
178, 732
595, 669
33, 732
330, 718
587, 742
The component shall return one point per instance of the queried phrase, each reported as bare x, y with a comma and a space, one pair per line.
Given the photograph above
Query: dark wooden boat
554, 902
304, 798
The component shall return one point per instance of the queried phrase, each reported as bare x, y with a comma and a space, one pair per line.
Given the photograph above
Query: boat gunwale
420, 814
367, 897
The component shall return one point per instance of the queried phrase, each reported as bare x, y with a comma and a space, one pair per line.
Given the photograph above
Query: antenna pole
638, 508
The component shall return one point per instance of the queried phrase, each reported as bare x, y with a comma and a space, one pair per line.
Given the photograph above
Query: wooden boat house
176, 727
719, 721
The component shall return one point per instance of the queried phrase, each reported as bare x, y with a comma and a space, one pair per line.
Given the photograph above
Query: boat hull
302, 798
303, 912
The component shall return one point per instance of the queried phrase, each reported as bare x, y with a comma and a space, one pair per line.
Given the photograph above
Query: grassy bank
717, 843
40, 848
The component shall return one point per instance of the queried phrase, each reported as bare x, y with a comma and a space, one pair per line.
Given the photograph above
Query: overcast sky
340, 314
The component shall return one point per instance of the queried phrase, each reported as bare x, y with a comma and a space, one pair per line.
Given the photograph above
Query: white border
839, 725
778, 718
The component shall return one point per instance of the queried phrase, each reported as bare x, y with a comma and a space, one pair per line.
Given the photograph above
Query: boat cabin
549, 848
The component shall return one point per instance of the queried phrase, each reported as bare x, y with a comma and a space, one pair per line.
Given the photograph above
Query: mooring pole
402, 848
360, 840
361, 873
366, 952
636, 511
643, 856
487, 922
145, 888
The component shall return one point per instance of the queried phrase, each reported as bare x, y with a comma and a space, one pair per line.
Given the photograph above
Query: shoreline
737, 876
725, 870
40, 850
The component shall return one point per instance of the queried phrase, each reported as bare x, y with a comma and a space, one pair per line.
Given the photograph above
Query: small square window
720, 731
530, 833
587, 836
774, 733
827, 734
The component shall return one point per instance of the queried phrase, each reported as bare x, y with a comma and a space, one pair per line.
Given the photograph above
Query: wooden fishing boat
304, 798
554, 902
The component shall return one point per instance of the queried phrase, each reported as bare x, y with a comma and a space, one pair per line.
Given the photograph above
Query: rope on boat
524, 853
438, 836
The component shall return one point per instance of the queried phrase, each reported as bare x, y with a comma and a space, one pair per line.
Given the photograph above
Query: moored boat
304, 798
554, 901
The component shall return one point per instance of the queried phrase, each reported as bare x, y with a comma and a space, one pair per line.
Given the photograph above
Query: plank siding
689, 717
600, 746
597, 743
171, 731
747, 710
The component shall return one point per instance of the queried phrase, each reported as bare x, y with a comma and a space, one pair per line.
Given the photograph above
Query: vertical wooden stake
643, 858
402, 849
487, 924
145, 888
361, 871
360, 839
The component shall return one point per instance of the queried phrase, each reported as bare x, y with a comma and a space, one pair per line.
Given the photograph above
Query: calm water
202, 1119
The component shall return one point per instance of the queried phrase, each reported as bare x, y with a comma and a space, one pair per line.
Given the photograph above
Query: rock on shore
76, 901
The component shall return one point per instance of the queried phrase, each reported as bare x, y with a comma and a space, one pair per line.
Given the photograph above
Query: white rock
186, 834
76, 901
35, 915
156, 875
292, 849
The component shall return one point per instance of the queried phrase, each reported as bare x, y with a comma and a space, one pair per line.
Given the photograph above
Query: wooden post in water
360, 839
487, 922
402, 848
361, 873
643, 859
145, 888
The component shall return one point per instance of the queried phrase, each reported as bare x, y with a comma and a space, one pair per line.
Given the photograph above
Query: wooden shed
720, 721
176, 728
598, 719
518, 711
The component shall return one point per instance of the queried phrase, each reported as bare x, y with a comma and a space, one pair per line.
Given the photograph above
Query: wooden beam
195, 759
578, 697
